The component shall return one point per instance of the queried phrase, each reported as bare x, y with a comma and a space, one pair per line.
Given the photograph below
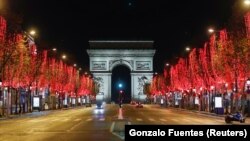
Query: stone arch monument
136, 55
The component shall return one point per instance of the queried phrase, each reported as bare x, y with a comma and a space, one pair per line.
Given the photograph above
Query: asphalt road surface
83, 124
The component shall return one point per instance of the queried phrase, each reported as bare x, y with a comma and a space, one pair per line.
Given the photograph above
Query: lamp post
194, 98
211, 99
248, 96
1, 97
49, 99
226, 98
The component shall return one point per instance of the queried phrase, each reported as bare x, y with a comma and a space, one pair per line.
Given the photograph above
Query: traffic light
120, 85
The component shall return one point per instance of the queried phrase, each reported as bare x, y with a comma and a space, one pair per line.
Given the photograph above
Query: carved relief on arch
128, 63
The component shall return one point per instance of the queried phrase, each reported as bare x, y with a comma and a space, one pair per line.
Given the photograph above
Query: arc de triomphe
136, 55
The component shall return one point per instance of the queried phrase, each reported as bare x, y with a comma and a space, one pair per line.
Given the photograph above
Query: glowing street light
75, 65
64, 56
54, 49
188, 49
167, 64
211, 30
247, 2
32, 32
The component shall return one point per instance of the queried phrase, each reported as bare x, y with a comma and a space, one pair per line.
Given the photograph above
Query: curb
191, 111
33, 114
198, 112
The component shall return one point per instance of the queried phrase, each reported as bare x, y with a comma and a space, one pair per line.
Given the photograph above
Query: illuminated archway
136, 56
121, 84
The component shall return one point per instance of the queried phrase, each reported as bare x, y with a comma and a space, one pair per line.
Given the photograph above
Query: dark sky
172, 24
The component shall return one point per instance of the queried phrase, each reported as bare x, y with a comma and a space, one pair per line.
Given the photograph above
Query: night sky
172, 24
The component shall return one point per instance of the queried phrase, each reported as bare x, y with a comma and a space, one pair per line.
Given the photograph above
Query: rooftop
108, 44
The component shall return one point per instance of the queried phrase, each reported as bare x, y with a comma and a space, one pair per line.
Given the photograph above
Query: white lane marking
55, 119
164, 120
37, 120
138, 119
77, 119
176, 120
73, 127
112, 126
90, 119
186, 120
101, 119
114, 133
151, 119
66, 119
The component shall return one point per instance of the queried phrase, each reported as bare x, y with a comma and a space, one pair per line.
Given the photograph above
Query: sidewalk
24, 115
37, 113
199, 112
193, 111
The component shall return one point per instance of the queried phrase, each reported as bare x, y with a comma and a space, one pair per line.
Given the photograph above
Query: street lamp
226, 98
211, 30
247, 2
64, 56
33, 32
188, 49
54, 49
75, 65
167, 64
